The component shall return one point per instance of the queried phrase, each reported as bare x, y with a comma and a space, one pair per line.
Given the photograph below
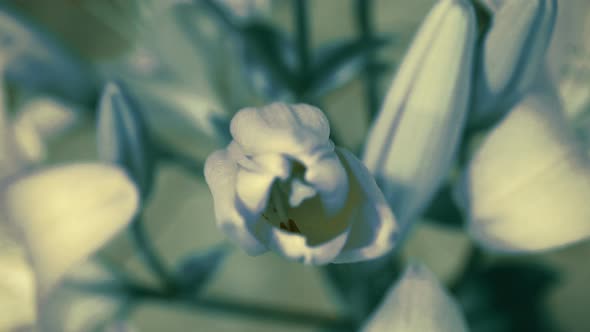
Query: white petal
49, 116
417, 303
529, 182
512, 54
66, 213
280, 128
253, 189
296, 247
300, 192
327, 175
17, 285
411, 145
221, 176
374, 229
321, 238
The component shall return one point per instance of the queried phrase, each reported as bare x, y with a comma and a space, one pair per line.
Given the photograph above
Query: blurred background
116, 38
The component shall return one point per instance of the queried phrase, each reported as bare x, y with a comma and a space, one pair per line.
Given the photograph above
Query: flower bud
417, 302
413, 139
527, 187
281, 185
512, 54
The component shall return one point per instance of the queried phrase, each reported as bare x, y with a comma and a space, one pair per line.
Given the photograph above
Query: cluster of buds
281, 184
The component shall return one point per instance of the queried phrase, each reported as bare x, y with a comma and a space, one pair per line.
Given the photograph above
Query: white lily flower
417, 303
281, 185
527, 186
512, 54
411, 145
61, 215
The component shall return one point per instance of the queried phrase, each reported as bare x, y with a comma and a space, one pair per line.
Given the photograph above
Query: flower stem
302, 37
292, 316
364, 18
149, 254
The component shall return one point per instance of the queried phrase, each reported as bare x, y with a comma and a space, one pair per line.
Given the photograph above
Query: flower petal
280, 128
374, 230
66, 213
327, 175
417, 303
527, 186
221, 176
17, 285
296, 247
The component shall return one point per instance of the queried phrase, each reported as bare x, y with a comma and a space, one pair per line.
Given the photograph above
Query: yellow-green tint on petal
66, 213
529, 183
17, 284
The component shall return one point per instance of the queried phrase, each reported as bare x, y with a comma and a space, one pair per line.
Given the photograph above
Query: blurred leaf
180, 118
508, 297
269, 59
443, 210
195, 271
123, 138
340, 62
39, 62
363, 285
267, 53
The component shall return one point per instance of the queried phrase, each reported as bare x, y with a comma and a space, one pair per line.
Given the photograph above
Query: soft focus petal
527, 186
49, 116
296, 247
411, 145
17, 285
374, 230
300, 132
66, 213
417, 303
292, 130
513, 52
221, 177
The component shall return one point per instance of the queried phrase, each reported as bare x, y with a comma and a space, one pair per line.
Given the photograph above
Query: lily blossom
281, 185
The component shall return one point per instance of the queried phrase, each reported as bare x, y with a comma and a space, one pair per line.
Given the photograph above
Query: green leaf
39, 62
196, 270
338, 63
508, 297
123, 138
363, 285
